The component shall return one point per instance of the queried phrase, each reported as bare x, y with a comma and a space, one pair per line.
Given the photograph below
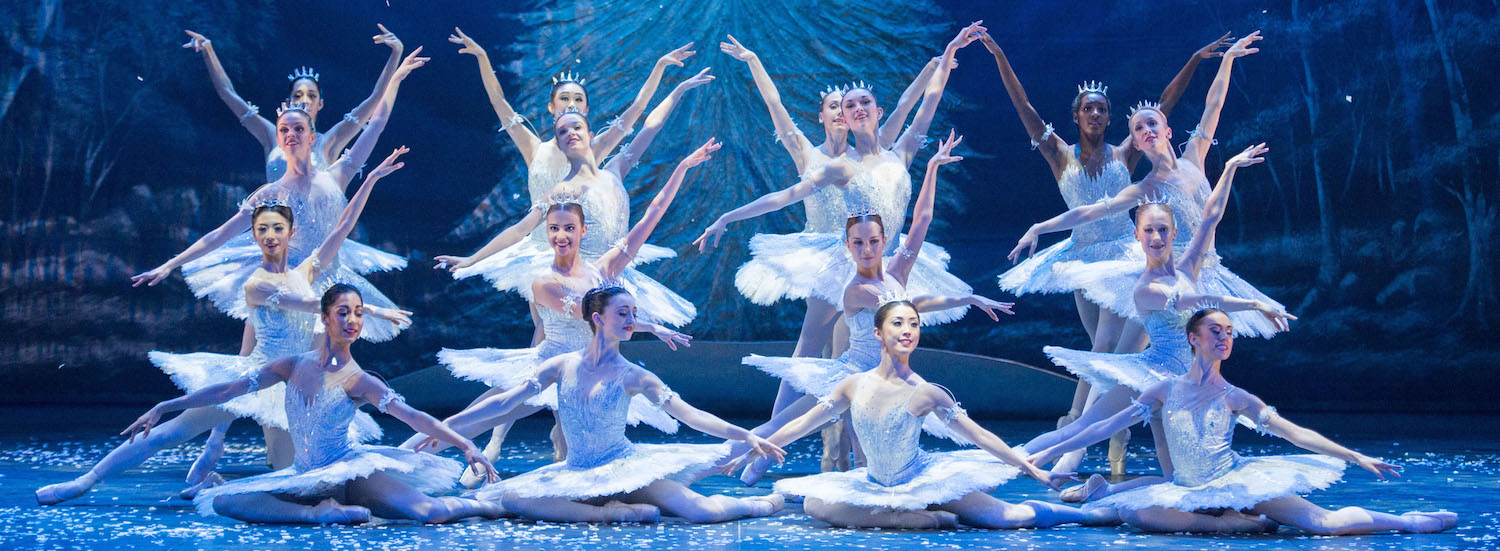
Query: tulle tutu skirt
1111, 284
507, 368
1046, 271
638, 467
516, 267
802, 265
1253, 480
267, 406
1104, 370
944, 477
426, 472
220, 277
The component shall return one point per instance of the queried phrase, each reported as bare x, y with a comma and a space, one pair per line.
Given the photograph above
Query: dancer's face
564, 231
273, 233
1214, 339
860, 111
568, 95
306, 91
865, 241
294, 134
1092, 116
831, 113
572, 135
901, 330
345, 318
617, 321
1155, 229
1149, 131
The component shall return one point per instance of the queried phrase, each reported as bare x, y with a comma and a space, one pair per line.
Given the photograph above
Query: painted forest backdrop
1374, 218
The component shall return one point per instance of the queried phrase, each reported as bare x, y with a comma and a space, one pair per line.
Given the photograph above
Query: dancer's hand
1027, 243
1212, 49
144, 423
469, 45
388, 38
1043, 458
389, 165
151, 277
452, 263
968, 35
480, 463
702, 154
1278, 316
410, 64
764, 448
944, 153
402, 318
715, 230
429, 443
990, 306
676, 57
989, 43
736, 50
1241, 48
695, 81
198, 42
1380, 468
672, 338
1250, 156
1050, 479
736, 464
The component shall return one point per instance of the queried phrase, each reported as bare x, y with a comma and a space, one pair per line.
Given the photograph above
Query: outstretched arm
606, 141
339, 135
1214, 209
631, 155
933, 303
510, 121
618, 258
263, 130
210, 241
1268, 420
266, 376
787, 133
328, 251
911, 140
890, 130
1042, 137
836, 172
828, 409
1077, 216
936, 400
1203, 138
346, 167
647, 384
906, 256
503, 240
372, 390
1139, 411
1175, 89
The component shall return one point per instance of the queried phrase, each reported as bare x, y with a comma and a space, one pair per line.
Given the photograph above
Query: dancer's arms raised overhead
1214, 208
1174, 90
911, 140
631, 155
921, 214
606, 140
1203, 137
787, 133
890, 130
344, 169
263, 130
510, 121
328, 251
618, 258
341, 132
1042, 137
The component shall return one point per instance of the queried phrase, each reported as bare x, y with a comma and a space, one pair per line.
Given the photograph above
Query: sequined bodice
1169, 348
864, 348
1200, 432
276, 160
594, 426
564, 331
883, 189
887, 433
547, 168
315, 212
280, 332
319, 425
825, 207
1078, 189
1187, 201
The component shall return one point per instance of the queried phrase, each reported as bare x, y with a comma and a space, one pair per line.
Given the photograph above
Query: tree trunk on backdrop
26, 46
1329, 270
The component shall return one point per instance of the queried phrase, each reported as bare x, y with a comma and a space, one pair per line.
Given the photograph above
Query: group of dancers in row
1140, 261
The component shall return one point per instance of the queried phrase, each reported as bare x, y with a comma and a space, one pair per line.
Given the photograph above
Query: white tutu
505, 369
1254, 480
800, 265
1104, 370
426, 472
1041, 272
944, 477
199, 370
1111, 284
637, 467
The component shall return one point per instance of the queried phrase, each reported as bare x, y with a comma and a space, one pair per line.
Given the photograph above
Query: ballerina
633, 482
1086, 172
333, 481
1212, 484
1169, 285
558, 292
874, 279
282, 304
903, 486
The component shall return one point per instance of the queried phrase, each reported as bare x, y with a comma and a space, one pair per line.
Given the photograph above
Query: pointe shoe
776, 501
1447, 520
1117, 447
1085, 492
53, 494
333, 512
755, 470
210, 480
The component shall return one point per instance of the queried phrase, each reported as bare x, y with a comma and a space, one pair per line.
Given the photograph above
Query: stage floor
1451, 463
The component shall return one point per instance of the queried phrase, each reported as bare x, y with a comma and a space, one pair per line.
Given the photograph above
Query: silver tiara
832, 89
563, 197
302, 72
1153, 199
860, 211
860, 84
1093, 87
1144, 105
567, 76
273, 197
888, 296
298, 106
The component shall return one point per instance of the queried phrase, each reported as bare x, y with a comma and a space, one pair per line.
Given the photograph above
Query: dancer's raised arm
1203, 136
890, 130
1174, 90
510, 121
263, 130
619, 258
328, 251
370, 389
351, 163
341, 132
836, 172
911, 140
921, 214
1192, 258
797, 145
649, 385
606, 140
931, 398
1269, 420
631, 155
1042, 137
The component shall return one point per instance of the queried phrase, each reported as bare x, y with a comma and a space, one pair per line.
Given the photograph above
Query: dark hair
574, 208
1196, 321
1078, 100
337, 290
597, 299
1135, 213
283, 210
585, 119
864, 218
558, 86
853, 88
885, 310
292, 87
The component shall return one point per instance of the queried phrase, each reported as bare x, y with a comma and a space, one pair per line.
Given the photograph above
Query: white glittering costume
1167, 356
899, 474
1207, 473
1110, 238
800, 265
